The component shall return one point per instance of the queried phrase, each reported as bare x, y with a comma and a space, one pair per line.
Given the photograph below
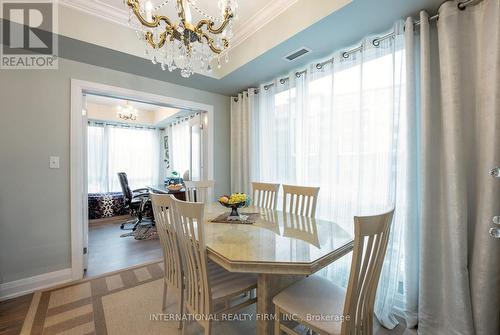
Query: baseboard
29, 285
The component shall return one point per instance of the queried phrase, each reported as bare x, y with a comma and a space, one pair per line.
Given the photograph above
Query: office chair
136, 201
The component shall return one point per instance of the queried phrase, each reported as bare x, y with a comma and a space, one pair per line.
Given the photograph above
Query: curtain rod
462, 5
181, 119
120, 124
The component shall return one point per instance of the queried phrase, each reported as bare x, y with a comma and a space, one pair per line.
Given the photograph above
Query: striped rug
126, 302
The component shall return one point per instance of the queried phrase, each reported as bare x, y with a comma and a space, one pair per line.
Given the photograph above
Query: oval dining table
280, 248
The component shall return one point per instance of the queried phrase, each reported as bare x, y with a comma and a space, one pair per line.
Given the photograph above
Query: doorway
94, 110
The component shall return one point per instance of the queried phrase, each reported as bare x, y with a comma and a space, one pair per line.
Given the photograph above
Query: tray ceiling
105, 23
251, 14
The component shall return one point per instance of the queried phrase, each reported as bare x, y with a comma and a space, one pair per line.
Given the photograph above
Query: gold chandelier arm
210, 42
210, 24
161, 42
134, 4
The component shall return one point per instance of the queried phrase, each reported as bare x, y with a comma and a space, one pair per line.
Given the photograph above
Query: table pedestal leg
268, 285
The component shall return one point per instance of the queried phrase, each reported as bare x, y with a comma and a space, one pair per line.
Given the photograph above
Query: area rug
246, 218
121, 303
125, 302
143, 232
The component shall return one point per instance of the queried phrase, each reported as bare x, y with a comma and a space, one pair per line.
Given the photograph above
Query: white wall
35, 124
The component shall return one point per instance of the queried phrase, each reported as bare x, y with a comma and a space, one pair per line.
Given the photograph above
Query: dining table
280, 248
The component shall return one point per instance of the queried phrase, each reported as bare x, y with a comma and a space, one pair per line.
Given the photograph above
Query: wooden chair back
371, 235
162, 208
189, 220
302, 200
265, 195
197, 191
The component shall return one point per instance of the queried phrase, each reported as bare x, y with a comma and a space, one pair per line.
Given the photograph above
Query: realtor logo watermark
29, 34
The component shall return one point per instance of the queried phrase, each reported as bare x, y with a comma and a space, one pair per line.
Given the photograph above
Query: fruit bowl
235, 201
175, 187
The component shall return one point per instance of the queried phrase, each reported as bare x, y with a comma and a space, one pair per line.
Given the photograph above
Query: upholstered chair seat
315, 296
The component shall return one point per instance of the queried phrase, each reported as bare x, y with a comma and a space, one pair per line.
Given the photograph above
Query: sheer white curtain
345, 128
97, 159
243, 112
113, 149
180, 148
460, 263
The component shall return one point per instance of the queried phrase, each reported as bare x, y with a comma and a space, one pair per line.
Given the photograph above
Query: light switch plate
54, 162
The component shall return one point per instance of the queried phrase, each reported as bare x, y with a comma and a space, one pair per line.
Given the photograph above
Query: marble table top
278, 243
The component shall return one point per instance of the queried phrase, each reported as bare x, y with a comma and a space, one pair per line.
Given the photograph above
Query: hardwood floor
12, 314
110, 252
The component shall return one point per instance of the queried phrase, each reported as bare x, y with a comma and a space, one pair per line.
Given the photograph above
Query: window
188, 146
114, 148
340, 128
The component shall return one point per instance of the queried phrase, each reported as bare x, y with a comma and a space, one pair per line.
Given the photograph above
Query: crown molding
99, 9
119, 16
265, 15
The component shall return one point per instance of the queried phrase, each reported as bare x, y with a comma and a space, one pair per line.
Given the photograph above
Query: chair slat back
189, 220
370, 244
197, 191
265, 195
162, 208
302, 200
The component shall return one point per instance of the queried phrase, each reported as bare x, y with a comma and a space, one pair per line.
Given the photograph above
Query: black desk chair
137, 201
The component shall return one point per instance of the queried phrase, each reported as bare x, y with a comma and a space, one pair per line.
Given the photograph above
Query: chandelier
185, 45
127, 112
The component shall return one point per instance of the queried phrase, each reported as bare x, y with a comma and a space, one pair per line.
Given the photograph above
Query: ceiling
246, 9
149, 114
250, 15
340, 28
102, 100
105, 23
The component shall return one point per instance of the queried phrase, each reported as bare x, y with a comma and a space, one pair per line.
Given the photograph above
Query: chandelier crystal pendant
127, 112
186, 46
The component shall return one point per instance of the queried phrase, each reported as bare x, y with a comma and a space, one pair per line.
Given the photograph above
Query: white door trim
78, 151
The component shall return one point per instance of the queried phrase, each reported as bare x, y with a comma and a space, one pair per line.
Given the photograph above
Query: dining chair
197, 191
173, 278
265, 195
351, 311
302, 200
207, 287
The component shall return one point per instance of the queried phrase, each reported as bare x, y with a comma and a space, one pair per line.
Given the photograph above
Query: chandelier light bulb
149, 10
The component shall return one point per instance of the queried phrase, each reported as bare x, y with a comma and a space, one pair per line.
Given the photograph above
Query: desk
162, 189
281, 248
